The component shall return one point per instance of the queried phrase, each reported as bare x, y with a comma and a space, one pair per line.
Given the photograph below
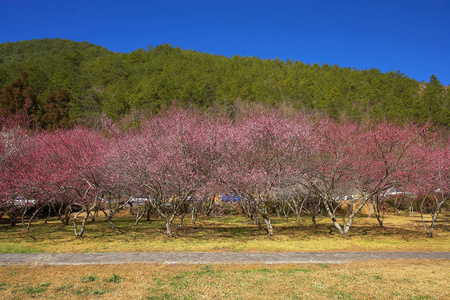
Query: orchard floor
401, 233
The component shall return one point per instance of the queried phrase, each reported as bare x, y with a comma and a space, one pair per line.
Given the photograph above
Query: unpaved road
210, 258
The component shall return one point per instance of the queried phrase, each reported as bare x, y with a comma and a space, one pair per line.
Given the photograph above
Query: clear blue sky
407, 35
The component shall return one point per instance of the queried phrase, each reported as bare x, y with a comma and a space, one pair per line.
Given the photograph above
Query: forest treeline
60, 82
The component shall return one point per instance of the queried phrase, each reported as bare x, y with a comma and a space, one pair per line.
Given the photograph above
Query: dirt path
209, 258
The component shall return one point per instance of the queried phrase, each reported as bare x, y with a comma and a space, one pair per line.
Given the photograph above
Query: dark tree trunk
12, 219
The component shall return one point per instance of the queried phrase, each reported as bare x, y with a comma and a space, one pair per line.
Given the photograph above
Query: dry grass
358, 280
230, 233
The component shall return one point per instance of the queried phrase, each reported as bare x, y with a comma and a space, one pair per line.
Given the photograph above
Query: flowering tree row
179, 158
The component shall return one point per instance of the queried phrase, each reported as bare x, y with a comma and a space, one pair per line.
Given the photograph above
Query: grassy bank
229, 233
358, 280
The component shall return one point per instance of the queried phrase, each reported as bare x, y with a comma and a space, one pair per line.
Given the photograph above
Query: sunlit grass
229, 233
413, 279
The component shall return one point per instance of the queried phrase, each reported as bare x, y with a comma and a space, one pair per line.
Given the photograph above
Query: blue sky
407, 35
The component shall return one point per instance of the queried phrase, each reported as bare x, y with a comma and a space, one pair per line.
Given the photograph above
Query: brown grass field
229, 234
400, 279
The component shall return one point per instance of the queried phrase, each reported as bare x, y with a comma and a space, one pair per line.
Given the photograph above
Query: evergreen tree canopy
97, 81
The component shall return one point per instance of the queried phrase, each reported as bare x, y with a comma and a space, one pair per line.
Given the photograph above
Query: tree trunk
23, 216
377, 213
353, 214
434, 216
332, 216
210, 207
94, 215
181, 221
67, 211
294, 208
277, 210
48, 215
75, 222
32, 217
109, 219
149, 211
338, 227
182, 217
12, 219
83, 223
169, 228
269, 226
139, 214
266, 219
194, 213
411, 209
380, 221
378, 210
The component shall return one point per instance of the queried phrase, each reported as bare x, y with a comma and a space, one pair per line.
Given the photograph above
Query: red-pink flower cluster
181, 155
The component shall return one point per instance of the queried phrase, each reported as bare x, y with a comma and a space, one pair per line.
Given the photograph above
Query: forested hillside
59, 81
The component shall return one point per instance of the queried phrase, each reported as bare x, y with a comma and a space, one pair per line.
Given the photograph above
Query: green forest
60, 82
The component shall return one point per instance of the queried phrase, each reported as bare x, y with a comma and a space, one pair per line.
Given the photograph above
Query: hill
98, 81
